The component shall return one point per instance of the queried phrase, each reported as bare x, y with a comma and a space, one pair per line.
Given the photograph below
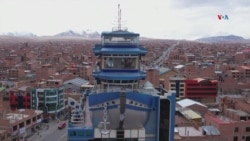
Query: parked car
62, 125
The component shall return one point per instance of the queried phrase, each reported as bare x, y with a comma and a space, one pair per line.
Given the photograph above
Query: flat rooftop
15, 116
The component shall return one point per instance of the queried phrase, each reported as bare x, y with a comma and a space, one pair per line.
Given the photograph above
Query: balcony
51, 100
51, 96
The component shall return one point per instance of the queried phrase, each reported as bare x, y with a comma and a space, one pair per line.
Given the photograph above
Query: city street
165, 55
50, 134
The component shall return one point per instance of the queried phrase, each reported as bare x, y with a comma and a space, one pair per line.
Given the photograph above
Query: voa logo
222, 17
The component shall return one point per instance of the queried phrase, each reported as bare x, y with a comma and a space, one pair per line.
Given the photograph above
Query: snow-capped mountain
85, 34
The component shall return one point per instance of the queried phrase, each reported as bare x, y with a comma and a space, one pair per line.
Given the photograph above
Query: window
51, 99
120, 63
247, 129
236, 129
72, 133
80, 133
15, 128
21, 125
89, 133
28, 122
235, 138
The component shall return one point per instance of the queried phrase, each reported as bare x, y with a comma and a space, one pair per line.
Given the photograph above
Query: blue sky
169, 19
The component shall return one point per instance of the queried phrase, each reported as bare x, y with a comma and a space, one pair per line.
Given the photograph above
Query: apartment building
234, 120
16, 125
177, 84
246, 71
49, 97
189, 57
20, 98
16, 73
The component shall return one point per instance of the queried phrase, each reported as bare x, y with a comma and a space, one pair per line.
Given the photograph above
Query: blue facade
119, 107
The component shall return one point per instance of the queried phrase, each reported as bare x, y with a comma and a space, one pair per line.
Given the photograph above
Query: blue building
119, 107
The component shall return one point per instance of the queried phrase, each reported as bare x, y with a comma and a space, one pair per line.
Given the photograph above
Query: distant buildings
37, 74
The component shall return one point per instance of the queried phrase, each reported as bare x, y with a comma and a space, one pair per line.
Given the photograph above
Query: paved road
51, 134
165, 55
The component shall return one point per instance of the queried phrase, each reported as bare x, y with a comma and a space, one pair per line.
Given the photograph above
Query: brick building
153, 76
16, 125
234, 120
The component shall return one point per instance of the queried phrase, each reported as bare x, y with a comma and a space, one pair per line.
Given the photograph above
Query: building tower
119, 107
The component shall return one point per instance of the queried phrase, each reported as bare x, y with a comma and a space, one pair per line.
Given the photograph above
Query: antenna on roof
119, 20
119, 17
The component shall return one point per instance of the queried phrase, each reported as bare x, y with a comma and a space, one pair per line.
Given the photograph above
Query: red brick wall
153, 77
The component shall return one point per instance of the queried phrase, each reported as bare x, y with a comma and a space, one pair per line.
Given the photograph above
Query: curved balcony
51, 96
120, 75
51, 100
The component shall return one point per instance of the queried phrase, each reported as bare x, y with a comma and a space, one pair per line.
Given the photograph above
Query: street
165, 54
50, 134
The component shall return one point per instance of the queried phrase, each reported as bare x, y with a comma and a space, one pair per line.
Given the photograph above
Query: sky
164, 19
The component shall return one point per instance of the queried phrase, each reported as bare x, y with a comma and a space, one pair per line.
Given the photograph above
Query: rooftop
163, 70
220, 119
12, 117
18, 115
188, 102
77, 81
211, 130
238, 112
189, 131
190, 114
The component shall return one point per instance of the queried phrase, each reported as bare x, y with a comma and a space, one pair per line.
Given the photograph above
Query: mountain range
69, 33
222, 39
89, 34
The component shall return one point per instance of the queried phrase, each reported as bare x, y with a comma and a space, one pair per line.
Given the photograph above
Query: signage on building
22, 130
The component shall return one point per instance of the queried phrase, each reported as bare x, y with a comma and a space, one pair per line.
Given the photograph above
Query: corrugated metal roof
77, 81
190, 114
188, 102
163, 70
211, 130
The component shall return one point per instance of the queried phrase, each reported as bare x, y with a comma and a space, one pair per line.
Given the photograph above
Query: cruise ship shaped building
119, 107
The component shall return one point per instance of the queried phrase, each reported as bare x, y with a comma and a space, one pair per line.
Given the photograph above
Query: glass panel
120, 63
